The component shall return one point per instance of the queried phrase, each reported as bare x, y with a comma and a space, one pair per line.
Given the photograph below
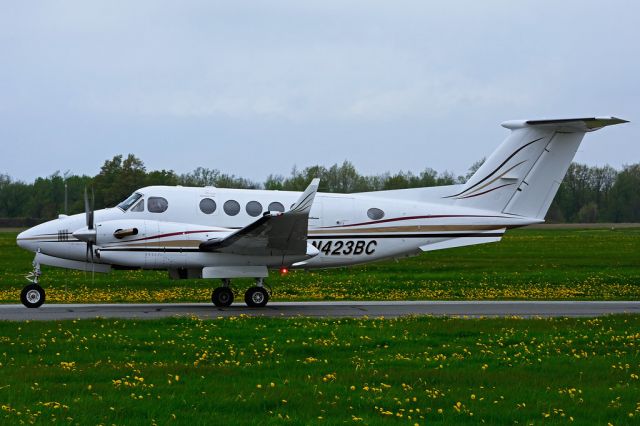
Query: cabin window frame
279, 205
229, 211
375, 213
207, 212
161, 207
249, 208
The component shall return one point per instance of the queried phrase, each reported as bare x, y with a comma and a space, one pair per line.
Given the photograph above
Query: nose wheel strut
34, 275
33, 295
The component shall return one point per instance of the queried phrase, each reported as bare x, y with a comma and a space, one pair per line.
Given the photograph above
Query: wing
276, 234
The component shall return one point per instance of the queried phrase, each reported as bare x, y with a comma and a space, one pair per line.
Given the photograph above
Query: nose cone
24, 240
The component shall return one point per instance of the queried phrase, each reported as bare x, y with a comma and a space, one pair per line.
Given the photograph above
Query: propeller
89, 233
90, 227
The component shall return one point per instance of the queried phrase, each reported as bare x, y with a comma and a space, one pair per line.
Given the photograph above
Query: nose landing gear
32, 295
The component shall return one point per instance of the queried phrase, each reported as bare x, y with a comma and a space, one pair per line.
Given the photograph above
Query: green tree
202, 176
474, 168
117, 179
274, 182
625, 195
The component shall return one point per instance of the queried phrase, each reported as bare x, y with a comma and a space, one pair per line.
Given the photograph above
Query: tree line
587, 193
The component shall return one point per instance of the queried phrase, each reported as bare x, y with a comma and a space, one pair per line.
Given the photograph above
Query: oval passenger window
207, 206
276, 207
375, 213
231, 207
254, 208
157, 204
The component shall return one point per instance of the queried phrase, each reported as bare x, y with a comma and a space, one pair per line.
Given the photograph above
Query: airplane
218, 233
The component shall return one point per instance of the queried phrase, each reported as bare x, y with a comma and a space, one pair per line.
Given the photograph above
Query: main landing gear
32, 295
223, 296
255, 297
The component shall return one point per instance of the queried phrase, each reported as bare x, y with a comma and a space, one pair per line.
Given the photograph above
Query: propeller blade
93, 268
93, 206
89, 235
88, 210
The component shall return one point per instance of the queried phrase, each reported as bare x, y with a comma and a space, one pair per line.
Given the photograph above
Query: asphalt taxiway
340, 309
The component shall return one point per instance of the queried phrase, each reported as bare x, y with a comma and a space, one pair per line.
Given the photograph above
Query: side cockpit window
157, 204
138, 207
126, 204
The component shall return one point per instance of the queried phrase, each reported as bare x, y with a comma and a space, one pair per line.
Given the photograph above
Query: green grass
528, 264
258, 370
261, 371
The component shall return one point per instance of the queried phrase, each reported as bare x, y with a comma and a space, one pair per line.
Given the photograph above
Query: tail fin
522, 176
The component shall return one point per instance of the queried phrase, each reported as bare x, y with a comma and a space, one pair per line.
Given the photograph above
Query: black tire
256, 297
222, 297
32, 296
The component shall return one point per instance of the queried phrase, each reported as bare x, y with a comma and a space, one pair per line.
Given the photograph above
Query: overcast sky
254, 88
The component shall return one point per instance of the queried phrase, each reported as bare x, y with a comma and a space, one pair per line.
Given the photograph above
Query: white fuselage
232, 233
339, 227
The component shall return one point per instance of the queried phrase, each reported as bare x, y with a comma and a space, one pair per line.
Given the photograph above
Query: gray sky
254, 88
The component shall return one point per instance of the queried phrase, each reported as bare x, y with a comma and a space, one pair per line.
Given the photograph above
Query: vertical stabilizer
522, 176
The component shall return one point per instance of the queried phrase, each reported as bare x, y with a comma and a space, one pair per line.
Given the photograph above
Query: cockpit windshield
126, 204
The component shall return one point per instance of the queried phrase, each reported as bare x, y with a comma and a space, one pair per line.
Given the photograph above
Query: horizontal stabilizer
587, 124
463, 241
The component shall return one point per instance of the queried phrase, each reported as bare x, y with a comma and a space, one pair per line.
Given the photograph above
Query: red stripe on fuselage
172, 234
395, 219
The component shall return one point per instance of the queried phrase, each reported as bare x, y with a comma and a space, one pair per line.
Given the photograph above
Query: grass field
414, 370
528, 264
261, 371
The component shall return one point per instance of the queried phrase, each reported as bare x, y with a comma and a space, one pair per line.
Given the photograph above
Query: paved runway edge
338, 309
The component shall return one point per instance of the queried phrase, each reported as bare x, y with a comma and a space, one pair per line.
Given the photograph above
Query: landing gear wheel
32, 296
256, 297
222, 297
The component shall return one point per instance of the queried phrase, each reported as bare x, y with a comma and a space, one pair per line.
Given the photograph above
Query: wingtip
620, 120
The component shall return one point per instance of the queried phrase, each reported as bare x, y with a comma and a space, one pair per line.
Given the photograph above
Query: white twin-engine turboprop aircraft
230, 233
